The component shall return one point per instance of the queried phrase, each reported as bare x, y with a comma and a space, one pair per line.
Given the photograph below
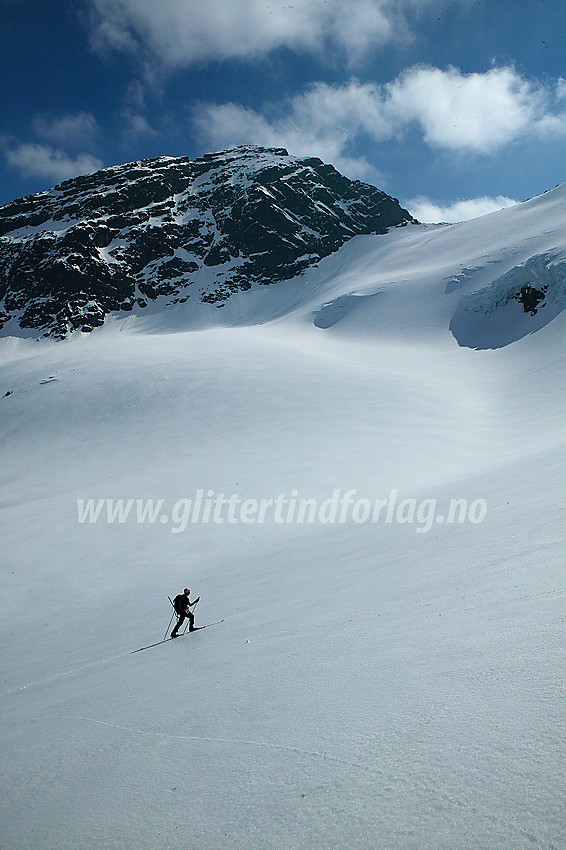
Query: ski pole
171, 620
169, 626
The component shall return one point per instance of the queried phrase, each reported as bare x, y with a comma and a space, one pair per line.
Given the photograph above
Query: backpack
180, 603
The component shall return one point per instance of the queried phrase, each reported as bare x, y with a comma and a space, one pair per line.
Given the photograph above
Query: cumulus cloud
323, 122
428, 212
477, 112
182, 32
461, 113
553, 122
79, 130
44, 161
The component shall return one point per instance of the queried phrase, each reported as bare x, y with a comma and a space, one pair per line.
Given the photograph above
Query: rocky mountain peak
175, 229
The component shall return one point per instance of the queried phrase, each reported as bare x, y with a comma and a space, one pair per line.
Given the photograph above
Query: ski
167, 639
206, 625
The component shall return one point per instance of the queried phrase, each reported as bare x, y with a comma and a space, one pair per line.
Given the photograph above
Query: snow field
371, 686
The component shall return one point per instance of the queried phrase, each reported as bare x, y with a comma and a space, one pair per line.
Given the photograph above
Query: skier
182, 606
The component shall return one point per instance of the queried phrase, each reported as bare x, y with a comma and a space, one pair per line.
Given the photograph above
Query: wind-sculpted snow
487, 282
333, 312
175, 230
520, 302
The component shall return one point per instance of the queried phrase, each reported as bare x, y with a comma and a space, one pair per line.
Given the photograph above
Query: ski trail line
236, 741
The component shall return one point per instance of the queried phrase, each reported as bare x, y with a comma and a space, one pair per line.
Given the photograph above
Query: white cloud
44, 161
461, 113
427, 211
347, 110
307, 130
181, 32
553, 124
80, 129
465, 112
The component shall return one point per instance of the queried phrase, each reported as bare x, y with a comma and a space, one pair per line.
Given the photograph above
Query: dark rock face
178, 229
531, 297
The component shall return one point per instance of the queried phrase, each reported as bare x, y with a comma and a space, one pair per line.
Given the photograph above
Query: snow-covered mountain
394, 684
175, 230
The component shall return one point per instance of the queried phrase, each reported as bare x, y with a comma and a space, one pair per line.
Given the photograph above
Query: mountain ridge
198, 229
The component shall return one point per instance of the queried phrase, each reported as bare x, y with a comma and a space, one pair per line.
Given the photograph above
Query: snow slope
372, 685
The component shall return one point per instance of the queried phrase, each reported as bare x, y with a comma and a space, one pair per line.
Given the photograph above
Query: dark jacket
180, 603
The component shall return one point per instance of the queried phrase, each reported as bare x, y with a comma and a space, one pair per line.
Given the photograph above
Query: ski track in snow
91, 663
235, 741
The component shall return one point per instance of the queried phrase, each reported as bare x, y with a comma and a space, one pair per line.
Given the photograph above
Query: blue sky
455, 107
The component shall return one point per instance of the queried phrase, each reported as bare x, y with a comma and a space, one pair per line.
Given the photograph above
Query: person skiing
182, 606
